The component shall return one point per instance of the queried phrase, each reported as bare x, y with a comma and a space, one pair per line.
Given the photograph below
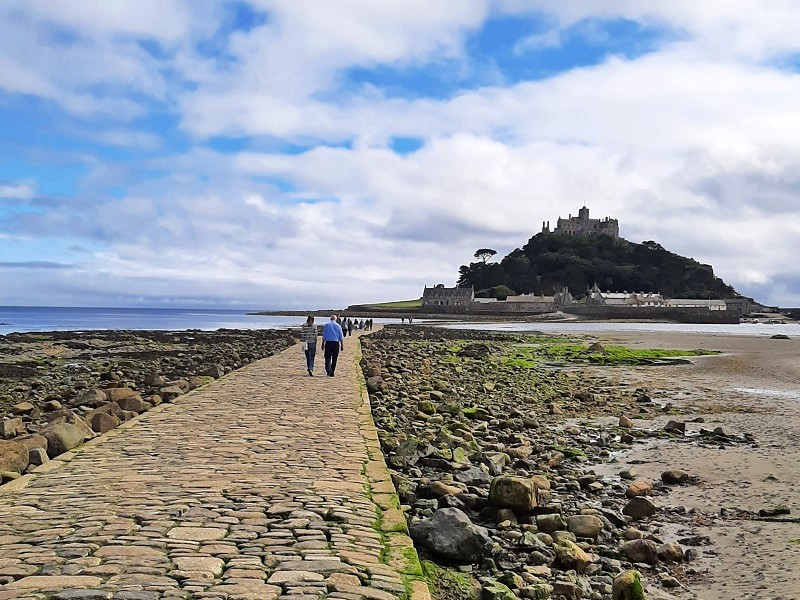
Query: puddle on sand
766, 392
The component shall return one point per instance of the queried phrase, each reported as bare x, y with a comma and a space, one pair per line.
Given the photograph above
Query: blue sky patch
406, 145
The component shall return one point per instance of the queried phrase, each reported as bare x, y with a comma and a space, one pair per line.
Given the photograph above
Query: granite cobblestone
255, 486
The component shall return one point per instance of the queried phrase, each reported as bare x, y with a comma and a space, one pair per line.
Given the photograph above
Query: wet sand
754, 388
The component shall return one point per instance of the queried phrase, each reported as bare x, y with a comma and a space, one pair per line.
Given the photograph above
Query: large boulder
628, 586
133, 404
639, 507
37, 456
13, 456
62, 437
22, 408
550, 523
514, 492
641, 551
104, 422
117, 394
154, 379
675, 476
93, 398
33, 440
170, 392
374, 384
450, 534
65, 415
216, 371
639, 488
585, 526
183, 384
10, 428
571, 556
678, 427
670, 552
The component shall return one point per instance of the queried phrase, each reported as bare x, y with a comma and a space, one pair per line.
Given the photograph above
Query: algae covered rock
628, 586
571, 556
494, 590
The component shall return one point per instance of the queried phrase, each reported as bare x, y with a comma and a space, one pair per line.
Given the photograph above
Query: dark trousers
331, 356
311, 353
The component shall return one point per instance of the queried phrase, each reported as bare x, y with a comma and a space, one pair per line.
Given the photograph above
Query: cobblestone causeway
266, 483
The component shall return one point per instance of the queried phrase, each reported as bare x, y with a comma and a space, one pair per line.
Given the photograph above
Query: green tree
484, 254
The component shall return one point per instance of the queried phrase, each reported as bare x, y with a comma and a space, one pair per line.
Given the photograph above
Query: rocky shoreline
494, 461
528, 466
60, 389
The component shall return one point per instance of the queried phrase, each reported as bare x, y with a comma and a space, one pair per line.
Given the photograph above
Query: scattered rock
550, 523
22, 408
775, 511
62, 437
516, 493
675, 477
670, 552
638, 488
37, 456
450, 534
374, 384
13, 456
104, 422
585, 526
10, 428
678, 427
628, 586
216, 371
132, 403
641, 551
639, 508
570, 556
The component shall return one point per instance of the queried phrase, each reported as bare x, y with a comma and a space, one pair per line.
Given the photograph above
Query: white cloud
692, 145
19, 190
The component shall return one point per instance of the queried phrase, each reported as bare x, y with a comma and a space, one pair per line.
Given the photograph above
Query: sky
298, 154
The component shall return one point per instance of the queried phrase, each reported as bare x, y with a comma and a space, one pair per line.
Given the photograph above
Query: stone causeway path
265, 484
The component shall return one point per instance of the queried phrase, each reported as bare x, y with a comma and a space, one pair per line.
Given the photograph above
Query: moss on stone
449, 584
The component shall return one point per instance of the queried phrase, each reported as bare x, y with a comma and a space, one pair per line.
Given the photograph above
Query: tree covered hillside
549, 261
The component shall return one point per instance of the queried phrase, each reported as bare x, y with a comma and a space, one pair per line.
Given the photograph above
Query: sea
25, 319
744, 329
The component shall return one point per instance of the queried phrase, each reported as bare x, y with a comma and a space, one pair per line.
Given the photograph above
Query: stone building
534, 303
594, 297
530, 303
697, 303
744, 306
441, 296
583, 225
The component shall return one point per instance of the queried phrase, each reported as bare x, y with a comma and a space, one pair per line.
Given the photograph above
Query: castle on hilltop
583, 225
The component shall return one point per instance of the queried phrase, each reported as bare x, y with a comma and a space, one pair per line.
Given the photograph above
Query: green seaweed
448, 584
554, 350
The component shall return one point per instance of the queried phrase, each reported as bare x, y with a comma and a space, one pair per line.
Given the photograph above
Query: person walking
332, 342
308, 337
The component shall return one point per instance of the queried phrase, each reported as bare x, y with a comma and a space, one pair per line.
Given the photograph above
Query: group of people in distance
333, 334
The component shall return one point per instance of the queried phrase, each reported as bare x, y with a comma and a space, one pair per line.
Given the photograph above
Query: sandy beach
751, 388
